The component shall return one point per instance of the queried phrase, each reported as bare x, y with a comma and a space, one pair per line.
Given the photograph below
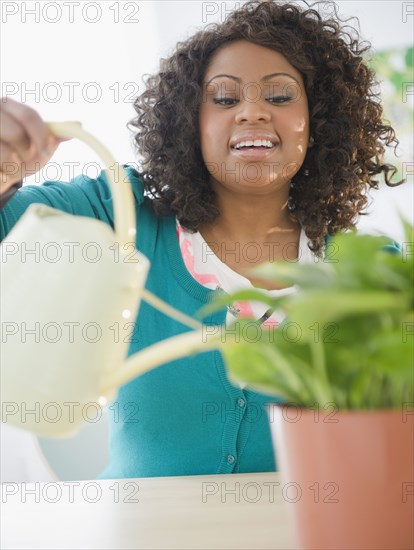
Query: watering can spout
61, 409
156, 355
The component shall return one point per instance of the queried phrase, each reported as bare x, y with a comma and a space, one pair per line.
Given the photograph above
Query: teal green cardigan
184, 418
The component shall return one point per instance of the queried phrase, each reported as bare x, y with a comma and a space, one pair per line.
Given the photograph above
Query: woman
259, 138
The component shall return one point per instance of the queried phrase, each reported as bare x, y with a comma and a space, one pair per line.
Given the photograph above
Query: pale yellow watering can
64, 295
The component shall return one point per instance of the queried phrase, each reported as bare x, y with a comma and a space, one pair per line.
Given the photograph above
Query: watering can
62, 292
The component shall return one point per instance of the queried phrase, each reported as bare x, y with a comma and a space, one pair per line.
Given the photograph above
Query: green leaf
392, 354
314, 276
322, 307
242, 295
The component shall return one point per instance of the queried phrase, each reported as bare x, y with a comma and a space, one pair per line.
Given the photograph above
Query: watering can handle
123, 199
124, 208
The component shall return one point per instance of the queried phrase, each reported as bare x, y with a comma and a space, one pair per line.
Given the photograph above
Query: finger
11, 165
13, 134
6, 186
33, 124
11, 168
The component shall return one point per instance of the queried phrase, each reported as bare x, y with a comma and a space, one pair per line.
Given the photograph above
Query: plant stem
319, 365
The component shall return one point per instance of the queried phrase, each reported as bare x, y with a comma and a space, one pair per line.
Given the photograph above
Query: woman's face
253, 93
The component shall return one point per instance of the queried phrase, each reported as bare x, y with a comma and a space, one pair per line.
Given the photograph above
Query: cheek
296, 125
300, 124
210, 134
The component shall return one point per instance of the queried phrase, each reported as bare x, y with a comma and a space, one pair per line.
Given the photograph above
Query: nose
252, 110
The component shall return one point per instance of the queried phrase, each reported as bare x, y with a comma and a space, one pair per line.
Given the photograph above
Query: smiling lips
254, 144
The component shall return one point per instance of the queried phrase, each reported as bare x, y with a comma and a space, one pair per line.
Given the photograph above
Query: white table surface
238, 511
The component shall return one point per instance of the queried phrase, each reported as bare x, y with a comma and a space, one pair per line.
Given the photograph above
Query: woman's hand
26, 143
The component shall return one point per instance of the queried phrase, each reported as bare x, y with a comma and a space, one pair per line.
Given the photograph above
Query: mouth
258, 150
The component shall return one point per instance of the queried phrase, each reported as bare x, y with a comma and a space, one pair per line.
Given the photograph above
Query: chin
262, 185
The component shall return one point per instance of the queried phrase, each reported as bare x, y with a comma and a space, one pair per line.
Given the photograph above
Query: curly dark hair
345, 115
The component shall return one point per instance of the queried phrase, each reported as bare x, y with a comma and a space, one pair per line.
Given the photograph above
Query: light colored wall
386, 23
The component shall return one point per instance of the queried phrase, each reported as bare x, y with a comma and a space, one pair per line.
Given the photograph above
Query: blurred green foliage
348, 335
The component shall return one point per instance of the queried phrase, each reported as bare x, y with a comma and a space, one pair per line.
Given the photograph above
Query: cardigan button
230, 459
241, 402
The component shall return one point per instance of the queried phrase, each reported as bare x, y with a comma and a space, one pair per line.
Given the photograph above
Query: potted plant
343, 362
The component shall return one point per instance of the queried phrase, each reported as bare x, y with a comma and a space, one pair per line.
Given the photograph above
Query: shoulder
81, 196
98, 190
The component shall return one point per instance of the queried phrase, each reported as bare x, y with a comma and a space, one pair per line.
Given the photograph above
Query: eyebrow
264, 79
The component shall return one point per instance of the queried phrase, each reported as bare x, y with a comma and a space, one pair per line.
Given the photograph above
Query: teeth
255, 143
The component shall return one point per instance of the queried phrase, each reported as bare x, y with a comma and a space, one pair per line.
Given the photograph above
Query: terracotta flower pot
347, 476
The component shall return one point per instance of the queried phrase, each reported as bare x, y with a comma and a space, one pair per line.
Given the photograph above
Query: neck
246, 218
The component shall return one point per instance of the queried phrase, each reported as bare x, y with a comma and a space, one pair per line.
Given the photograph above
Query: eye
224, 100
279, 99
